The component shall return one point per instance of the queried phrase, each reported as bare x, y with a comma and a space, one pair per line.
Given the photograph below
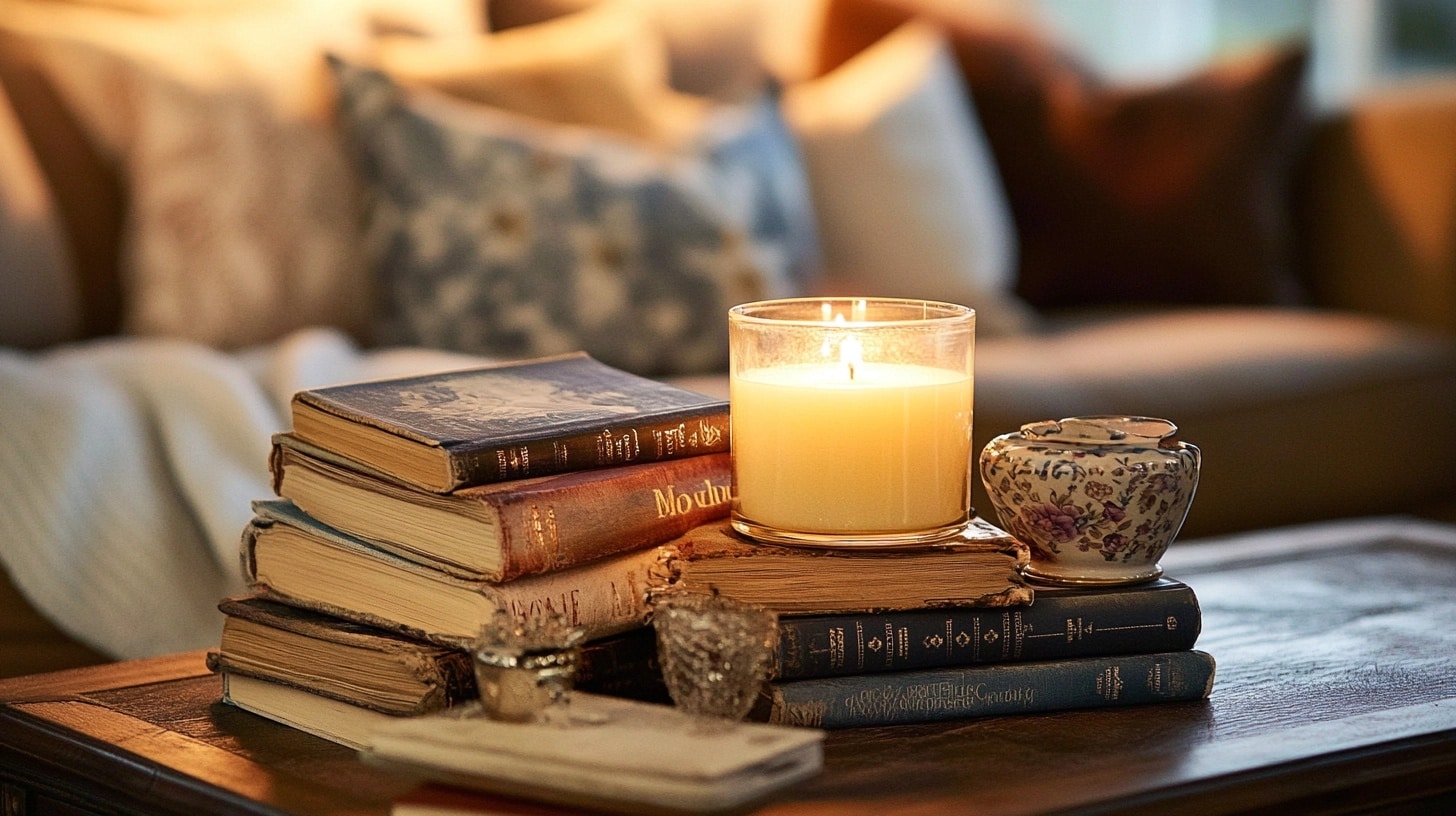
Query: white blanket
128, 467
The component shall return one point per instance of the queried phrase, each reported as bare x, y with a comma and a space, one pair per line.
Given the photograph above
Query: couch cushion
508, 236
1175, 193
1378, 205
1301, 415
907, 197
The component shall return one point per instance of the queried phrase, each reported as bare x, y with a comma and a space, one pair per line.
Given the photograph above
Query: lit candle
851, 420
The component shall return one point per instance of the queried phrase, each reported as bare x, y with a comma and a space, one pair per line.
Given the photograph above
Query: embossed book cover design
510, 421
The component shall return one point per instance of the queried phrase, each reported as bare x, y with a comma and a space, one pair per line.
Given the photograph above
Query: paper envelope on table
604, 752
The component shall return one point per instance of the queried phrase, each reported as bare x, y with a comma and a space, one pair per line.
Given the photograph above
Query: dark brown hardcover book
385, 671
505, 530
511, 421
348, 661
293, 558
1158, 616
977, 569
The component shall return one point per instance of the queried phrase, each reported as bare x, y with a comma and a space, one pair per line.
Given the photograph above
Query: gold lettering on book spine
544, 535
1109, 684
564, 604
669, 502
809, 713
836, 647
859, 646
617, 448
685, 438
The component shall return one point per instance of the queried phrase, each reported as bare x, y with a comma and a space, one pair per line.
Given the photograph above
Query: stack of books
410, 511
948, 632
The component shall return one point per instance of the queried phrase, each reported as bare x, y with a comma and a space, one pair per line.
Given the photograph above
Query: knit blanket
128, 468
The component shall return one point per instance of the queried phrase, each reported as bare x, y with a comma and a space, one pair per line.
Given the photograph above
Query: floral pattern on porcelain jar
1097, 499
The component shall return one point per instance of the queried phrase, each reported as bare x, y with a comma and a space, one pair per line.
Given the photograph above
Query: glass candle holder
851, 420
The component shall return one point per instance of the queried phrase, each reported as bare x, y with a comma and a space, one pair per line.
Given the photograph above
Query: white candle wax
818, 450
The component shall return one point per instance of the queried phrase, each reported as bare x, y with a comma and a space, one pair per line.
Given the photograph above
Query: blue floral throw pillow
506, 236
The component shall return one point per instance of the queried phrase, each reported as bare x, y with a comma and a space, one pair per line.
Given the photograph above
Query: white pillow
903, 183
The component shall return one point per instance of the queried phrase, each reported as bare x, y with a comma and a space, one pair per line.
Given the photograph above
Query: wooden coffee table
1336, 691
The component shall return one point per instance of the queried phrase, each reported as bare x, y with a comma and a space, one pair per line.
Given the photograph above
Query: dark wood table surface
1336, 692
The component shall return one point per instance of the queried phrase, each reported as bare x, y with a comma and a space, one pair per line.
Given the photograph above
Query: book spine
661, 438
1054, 626
623, 665
930, 695
448, 683
577, 518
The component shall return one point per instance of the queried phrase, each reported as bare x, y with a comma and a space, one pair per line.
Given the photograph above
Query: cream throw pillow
604, 67
244, 221
903, 183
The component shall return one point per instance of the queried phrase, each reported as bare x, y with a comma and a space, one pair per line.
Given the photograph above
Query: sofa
186, 237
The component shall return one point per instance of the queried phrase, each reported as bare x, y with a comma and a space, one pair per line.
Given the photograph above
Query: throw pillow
512, 237
907, 196
601, 67
714, 49
242, 215
85, 187
40, 306
1175, 193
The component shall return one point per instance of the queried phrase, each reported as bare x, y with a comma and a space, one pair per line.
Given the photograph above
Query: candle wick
851, 371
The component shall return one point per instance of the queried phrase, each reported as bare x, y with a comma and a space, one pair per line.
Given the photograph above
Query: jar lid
1102, 429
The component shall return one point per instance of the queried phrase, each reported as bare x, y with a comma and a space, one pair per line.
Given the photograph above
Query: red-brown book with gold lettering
505, 530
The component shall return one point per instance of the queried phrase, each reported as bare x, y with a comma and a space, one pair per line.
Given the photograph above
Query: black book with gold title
516, 420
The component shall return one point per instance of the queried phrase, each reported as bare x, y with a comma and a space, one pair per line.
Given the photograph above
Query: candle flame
851, 353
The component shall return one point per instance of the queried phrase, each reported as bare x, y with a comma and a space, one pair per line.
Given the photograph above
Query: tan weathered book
334, 720
504, 530
296, 559
348, 661
977, 569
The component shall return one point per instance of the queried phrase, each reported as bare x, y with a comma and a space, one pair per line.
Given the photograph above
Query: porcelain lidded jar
1097, 499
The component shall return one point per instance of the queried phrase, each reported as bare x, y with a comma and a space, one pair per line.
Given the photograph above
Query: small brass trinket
525, 669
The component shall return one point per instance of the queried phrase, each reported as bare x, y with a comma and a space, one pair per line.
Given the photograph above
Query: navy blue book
928, 695
1158, 616
441, 432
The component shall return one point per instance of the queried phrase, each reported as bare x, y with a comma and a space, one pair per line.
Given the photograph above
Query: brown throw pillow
88, 189
1172, 193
